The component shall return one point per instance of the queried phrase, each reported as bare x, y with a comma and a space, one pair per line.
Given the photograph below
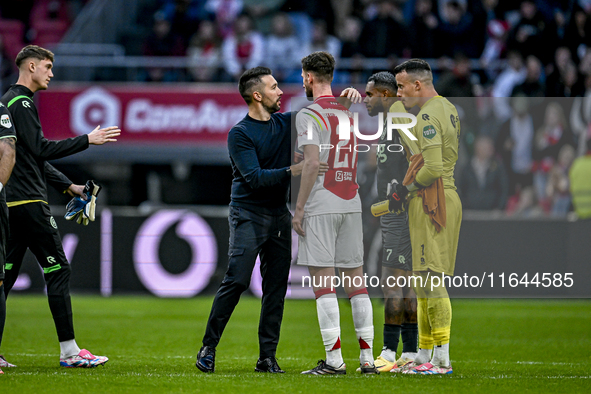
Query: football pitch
503, 346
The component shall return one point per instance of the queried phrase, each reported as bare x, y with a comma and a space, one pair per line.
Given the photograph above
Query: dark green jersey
27, 182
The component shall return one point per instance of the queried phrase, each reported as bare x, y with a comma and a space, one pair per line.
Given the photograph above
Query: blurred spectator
322, 41
8, 71
349, 35
226, 13
495, 46
549, 139
577, 36
485, 11
19, 10
557, 11
262, 12
580, 184
205, 53
568, 84
184, 16
458, 81
456, 31
557, 189
580, 117
484, 184
585, 64
532, 86
556, 76
381, 35
524, 204
311, 10
532, 34
514, 74
585, 4
515, 144
283, 51
423, 31
243, 49
162, 42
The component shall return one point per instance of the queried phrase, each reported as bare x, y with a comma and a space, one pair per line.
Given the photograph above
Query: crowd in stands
39, 22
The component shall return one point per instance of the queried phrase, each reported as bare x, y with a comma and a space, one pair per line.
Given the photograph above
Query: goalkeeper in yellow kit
434, 208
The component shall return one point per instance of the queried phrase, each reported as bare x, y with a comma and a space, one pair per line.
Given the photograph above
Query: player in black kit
7, 155
31, 223
400, 303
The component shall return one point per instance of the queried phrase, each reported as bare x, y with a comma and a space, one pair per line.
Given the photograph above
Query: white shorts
332, 240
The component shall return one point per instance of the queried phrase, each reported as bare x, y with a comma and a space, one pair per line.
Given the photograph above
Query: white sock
363, 320
423, 356
327, 308
388, 354
408, 356
441, 356
69, 348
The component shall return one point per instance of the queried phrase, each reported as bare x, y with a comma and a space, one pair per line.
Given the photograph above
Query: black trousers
3, 237
33, 227
253, 234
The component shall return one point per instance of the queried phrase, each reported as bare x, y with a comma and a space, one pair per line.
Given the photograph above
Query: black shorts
32, 226
397, 250
3, 236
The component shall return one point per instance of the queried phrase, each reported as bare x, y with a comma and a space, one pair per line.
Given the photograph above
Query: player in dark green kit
31, 224
7, 159
400, 303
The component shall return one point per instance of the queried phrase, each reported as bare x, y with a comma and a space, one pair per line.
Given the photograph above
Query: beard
377, 108
273, 107
309, 92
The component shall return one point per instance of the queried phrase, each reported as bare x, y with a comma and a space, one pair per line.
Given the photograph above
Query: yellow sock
425, 337
439, 310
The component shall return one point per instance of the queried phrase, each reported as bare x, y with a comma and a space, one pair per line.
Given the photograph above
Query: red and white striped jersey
335, 191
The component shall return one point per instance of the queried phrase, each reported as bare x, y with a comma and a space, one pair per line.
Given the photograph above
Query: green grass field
497, 346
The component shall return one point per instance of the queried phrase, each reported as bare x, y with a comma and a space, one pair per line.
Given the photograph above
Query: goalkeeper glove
396, 196
83, 211
75, 208
91, 190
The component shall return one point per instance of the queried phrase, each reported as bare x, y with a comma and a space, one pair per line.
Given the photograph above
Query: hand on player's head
100, 136
352, 94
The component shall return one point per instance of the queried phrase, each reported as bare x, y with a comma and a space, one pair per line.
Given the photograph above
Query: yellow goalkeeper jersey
438, 127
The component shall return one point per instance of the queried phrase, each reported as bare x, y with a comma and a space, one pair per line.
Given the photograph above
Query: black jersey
391, 160
27, 182
6, 131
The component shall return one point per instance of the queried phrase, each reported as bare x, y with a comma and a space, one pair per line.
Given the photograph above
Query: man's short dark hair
250, 79
384, 80
414, 66
321, 64
35, 52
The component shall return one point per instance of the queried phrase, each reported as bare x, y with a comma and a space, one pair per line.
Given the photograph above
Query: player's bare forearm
296, 169
309, 174
7, 158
